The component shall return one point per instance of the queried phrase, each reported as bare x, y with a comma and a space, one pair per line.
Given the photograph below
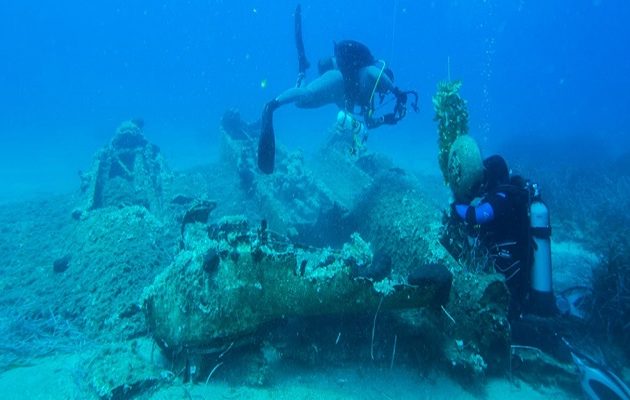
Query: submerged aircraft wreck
263, 258
371, 246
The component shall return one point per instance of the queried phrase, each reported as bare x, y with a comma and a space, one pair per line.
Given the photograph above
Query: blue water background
543, 73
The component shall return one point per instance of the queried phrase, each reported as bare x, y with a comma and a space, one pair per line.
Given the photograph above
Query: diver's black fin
267, 139
299, 43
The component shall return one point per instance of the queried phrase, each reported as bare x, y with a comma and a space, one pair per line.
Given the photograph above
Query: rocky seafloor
326, 279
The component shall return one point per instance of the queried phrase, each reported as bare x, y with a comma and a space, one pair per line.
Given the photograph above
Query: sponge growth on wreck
451, 114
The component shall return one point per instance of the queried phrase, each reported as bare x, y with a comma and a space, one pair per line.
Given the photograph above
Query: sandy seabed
55, 378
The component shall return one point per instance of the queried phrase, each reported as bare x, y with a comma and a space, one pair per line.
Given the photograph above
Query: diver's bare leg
326, 89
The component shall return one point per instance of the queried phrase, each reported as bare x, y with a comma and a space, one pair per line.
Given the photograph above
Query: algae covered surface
451, 115
177, 295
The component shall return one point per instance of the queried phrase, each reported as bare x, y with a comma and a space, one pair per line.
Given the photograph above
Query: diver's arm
475, 215
386, 85
373, 81
483, 213
382, 84
370, 121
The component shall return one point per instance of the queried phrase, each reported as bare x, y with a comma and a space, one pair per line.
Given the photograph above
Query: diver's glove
401, 102
390, 119
466, 213
401, 97
400, 110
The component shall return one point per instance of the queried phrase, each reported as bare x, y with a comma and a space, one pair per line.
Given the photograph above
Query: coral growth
451, 114
465, 169
130, 171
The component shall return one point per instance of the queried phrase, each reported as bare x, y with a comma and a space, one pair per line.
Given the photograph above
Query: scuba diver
351, 79
513, 224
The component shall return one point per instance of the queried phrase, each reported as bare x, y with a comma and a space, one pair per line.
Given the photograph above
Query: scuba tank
542, 298
346, 122
353, 130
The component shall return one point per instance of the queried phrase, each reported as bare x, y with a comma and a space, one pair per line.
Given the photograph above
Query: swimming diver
350, 79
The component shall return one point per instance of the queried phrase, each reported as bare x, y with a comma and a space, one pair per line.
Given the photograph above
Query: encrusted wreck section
129, 171
403, 222
227, 284
301, 192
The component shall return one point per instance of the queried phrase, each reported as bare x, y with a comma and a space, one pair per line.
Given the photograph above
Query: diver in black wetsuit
518, 247
514, 226
350, 79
